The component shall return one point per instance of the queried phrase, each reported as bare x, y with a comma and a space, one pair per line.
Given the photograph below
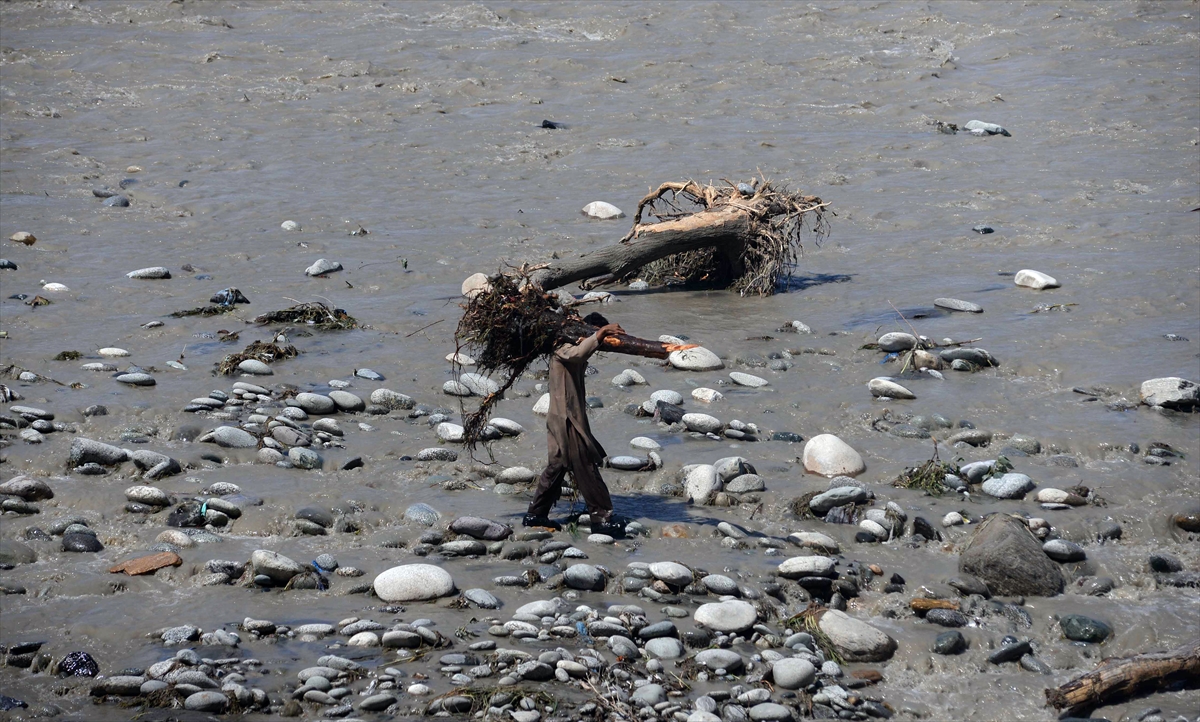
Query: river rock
585, 577
315, 403
628, 377
725, 659
883, 387
649, 695
987, 128
702, 483
673, 573
1058, 496
1035, 279
231, 437
542, 406
480, 528
1008, 486
149, 495
695, 359
828, 455
27, 487
837, 496
322, 266
953, 304
136, 378
793, 673
951, 642
392, 399
814, 566
665, 648
702, 423
437, 453
746, 484
255, 367
479, 384
897, 341
1079, 628
149, 273
707, 395
603, 211
1061, 550
730, 616
13, 552
816, 540
274, 565
84, 451
475, 284
347, 401
1009, 559
750, 380
450, 433
856, 641
1171, 392
303, 458
207, 701
413, 582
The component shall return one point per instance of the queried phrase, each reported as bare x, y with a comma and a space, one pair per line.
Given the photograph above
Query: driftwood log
1120, 677
744, 236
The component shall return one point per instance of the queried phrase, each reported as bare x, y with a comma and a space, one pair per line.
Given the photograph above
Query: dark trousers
587, 480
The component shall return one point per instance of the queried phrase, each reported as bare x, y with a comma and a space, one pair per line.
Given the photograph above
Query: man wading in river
571, 446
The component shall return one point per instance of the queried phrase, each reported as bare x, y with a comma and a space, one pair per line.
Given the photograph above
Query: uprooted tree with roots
746, 237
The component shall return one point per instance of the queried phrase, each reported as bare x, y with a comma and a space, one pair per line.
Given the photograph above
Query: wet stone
1079, 628
951, 642
946, 618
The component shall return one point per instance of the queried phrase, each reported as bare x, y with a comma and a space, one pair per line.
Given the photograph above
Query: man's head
595, 319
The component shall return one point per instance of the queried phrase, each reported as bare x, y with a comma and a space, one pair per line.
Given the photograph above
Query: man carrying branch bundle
570, 443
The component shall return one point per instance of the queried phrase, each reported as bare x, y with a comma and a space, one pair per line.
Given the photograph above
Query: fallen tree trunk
744, 236
1121, 677
575, 331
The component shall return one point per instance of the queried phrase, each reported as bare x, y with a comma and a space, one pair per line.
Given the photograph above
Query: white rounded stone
452, 433
750, 380
290, 226
1035, 279
475, 284
112, 352
703, 423
603, 211
542, 407
413, 582
827, 455
814, 566
886, 388
695, 359
702, 483
707, 395
729, 616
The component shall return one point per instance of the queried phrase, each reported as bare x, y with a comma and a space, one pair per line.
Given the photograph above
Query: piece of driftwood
744, 236
147, 564
1119, 677
924, 605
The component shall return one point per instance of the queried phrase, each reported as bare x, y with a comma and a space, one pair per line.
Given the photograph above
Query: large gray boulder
1009, 559
1171, 392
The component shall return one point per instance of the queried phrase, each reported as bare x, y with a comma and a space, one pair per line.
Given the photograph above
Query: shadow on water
877, 318
794, 282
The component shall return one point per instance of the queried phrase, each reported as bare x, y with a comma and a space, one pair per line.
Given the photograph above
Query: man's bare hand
611, 329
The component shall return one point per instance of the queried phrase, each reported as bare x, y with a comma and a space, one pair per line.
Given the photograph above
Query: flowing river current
421, 124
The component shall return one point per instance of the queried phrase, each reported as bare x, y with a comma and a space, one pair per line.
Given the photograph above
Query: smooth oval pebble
1035, 279
750, 380
149, 273
888, 389
955, 304
137, 379
112, 352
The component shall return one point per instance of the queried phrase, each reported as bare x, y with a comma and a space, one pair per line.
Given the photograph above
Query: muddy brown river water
420, 122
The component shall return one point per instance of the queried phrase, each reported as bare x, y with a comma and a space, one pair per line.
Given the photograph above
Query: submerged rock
1009, 559
856, 641
413, 582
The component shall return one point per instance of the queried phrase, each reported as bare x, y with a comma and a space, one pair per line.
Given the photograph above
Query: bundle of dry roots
768, 248
512, 323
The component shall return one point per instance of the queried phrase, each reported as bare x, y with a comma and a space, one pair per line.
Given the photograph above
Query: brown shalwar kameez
570, 444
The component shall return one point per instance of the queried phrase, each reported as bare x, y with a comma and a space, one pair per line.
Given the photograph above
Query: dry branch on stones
745, 237
1120, 677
